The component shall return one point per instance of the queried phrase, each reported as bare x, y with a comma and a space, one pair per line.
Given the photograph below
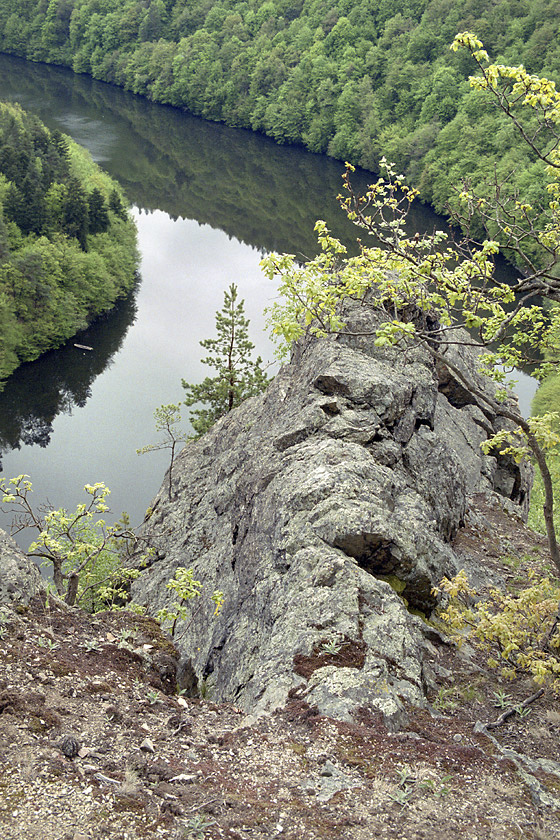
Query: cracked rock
324, 509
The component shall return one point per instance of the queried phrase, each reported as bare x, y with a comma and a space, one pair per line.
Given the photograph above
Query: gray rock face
20, 579
322, 509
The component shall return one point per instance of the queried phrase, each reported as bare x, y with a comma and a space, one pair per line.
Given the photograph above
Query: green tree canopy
67, 246
355, 80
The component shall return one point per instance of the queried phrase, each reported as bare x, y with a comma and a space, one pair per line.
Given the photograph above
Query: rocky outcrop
20, 579
324, 510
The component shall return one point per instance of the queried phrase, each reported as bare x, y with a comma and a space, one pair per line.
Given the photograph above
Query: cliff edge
325, 511
96, 742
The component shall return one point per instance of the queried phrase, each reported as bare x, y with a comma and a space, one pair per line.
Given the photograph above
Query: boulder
20, 579
324, 510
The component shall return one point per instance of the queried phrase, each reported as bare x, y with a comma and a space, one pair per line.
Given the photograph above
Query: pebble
328, 769
187, 778
69, 746
147, 746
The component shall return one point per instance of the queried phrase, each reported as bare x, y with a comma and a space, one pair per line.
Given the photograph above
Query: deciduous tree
83, 552
429, 286
167, 419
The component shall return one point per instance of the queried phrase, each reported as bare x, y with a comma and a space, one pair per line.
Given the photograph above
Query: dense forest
67, 245
355, 79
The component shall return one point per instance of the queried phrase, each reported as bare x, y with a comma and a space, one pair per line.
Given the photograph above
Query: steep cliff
324, 510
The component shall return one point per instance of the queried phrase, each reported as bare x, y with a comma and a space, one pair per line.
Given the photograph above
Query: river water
208, 201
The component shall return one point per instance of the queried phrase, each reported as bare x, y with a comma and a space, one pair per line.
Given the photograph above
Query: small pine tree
238, 376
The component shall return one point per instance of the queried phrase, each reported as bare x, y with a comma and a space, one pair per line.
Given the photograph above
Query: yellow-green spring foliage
84, 554
186, 588
546, 400
67, 244
518, 632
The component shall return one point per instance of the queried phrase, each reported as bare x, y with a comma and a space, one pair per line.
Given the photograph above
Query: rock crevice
352, 472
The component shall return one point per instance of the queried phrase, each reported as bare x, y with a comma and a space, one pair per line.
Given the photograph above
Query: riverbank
67, 244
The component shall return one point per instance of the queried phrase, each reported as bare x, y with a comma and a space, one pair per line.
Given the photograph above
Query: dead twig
513, 709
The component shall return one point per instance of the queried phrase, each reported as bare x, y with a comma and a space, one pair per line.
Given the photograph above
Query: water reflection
74, 417
262, 194
60, 380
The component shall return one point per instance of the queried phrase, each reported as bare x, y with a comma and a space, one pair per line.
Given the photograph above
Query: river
208, 201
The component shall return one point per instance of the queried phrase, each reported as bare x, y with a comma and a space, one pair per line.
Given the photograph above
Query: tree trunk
73, 581
548, 507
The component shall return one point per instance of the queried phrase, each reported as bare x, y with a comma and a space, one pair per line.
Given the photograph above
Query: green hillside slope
67, 245
354, 79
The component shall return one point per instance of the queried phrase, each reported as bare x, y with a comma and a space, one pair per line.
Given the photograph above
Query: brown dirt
95, 744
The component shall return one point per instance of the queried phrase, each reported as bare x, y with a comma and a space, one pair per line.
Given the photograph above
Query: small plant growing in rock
405, 787
44, 642
186, 587
469, 693
405, 776
501, 699
196, 827
401, 796
446, 699
153, 696
92, 646
125, 637
410, 785
167, 418
332, 646
204, 689
437, 788
522, 711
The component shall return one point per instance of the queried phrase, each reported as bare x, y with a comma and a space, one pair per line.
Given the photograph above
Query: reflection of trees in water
264, 195
37, 431
60, 380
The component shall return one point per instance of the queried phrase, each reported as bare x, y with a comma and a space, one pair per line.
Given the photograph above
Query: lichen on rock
354, 468
20, 579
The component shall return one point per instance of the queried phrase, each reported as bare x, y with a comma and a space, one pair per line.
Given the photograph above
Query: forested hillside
67, 246
354, 79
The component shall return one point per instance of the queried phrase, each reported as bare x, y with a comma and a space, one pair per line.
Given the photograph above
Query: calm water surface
208, 202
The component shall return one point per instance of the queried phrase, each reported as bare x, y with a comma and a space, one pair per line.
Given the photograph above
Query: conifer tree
116, 205
238, 375
98, 215
76, 213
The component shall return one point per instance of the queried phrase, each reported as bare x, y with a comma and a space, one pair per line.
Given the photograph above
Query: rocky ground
95, 742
